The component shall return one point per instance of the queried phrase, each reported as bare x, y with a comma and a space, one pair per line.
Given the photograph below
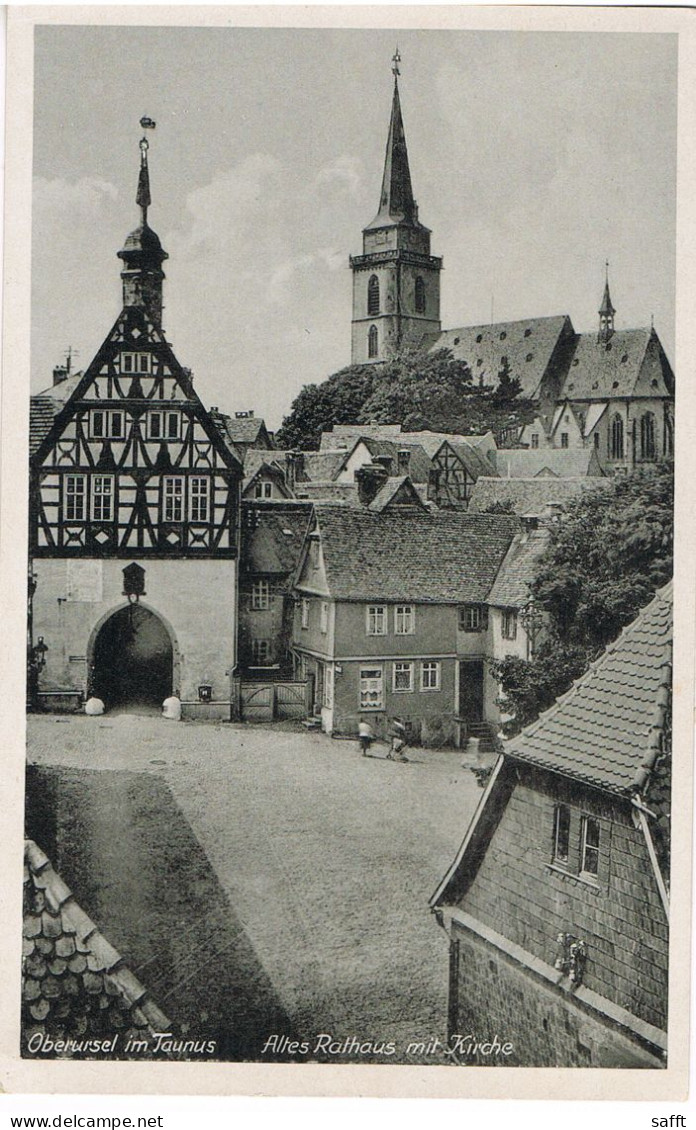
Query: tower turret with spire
142, 253
396, 281
606, 311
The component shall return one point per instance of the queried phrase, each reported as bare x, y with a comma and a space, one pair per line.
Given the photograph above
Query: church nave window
164, 425
372, 342
102, 498
135, 363
75, 495
648, 447
106, 424
373, 296
198, 499
173, 505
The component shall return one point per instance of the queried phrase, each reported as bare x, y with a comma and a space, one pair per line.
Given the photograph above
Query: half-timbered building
135, 500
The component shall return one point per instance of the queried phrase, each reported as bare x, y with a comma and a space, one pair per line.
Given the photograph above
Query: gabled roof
397, 491
529, 496
273, 536
255, 459
529, 346
44, 407
600, 731
73, 980
519, 568
476, 463
420, 464
341, 436
612, 370
243, 430
562, 462
323, 465
439, 557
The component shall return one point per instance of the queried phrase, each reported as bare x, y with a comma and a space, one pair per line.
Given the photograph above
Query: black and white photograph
350, 526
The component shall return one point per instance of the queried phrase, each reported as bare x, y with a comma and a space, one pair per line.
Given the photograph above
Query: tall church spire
396, 281
142, 253
606, 311
396, 203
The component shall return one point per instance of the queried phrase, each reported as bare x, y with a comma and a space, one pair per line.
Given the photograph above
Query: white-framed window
102, 498
509, 624
260, 595
564, 439
304, 612
74, 499
430, 675
107, 423
164, 425
199, 491
473, 618
535, 439
260, 652
376, 624
561, 834
404, 619
402, 678
589, 847
135, 363
324, 621
371, 688
263, 490
173, 498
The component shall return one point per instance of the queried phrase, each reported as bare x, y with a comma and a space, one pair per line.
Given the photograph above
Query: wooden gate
273, 702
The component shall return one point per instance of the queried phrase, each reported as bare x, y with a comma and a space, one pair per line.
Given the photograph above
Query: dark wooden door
471, 690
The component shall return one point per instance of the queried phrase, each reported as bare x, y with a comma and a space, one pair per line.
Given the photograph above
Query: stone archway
132, 656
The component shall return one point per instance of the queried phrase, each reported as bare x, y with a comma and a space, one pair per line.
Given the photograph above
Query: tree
605, 561
418, 390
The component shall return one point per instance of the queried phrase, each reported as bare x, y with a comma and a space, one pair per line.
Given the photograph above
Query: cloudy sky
534, 156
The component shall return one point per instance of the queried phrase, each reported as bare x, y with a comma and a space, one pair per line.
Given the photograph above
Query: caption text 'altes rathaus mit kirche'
181, 557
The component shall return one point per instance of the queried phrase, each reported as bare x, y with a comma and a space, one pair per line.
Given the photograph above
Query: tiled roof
441, 557
566, 463
529, 496
518, 570
273, 536
255, 458
600, 730
75, 985
323, 465
601, 371
394, 485
528, 345
45, 405
244, 430
475, 461
328, 491
342, 436
419, 465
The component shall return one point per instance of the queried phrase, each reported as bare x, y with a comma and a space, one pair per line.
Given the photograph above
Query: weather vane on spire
396, 59
142, 198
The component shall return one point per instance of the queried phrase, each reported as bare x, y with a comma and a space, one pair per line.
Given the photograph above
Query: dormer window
373, 296
106, 424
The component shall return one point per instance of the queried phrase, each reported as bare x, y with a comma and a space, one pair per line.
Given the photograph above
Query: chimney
60, 374
553, 512
370, 479
404, 460
294, 468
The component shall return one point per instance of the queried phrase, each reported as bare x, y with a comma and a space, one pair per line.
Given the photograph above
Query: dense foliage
433, 391
606, 560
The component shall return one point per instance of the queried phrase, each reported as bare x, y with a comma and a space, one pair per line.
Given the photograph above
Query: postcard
347, 715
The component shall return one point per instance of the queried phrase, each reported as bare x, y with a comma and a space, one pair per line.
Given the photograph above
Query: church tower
143, 254
396, 281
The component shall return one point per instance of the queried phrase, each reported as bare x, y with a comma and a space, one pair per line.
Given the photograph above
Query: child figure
365, 736
398, 740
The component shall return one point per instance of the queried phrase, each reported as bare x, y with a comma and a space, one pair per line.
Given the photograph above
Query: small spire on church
142, 253
606, 310
396, 202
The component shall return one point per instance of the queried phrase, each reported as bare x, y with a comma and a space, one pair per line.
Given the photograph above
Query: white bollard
94, 706
171, 708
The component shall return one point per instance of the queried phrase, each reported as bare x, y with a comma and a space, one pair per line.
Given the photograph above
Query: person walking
365, 736
399, 737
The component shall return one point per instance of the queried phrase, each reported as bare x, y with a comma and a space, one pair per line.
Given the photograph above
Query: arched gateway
132, 658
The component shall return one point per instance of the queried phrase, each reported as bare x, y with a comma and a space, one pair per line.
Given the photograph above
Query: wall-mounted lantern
205, 692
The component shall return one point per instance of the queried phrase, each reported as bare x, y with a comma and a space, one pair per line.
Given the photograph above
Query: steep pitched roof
529, 496
396, 202
323, 465
440, 557
44, 407
420, 464
273, 536
613, 370
243, 430
600, 730
397, 491
476, 463
519, 568
340, 437
529, 346
565, 463
73, 981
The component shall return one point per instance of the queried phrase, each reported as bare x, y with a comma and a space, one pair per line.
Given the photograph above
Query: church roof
606, 309
396, 202
530, 496
631, 362
529, 346
600, 730
436, 557
556, 462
